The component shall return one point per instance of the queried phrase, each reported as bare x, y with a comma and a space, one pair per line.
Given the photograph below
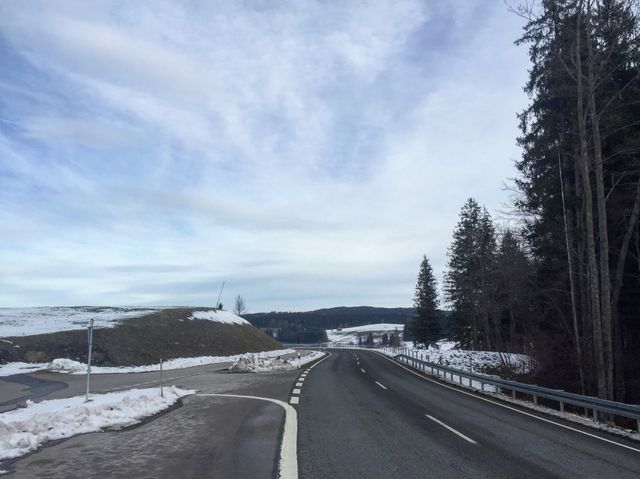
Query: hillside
165, 334
331, 318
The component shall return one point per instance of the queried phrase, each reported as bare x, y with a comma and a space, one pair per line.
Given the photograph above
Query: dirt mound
166, 334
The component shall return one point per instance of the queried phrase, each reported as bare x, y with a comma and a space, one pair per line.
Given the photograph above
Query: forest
562, 281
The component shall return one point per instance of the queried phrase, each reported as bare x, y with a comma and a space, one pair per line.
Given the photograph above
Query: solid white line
452, 430
295, 391
288, 467
362, 370
381, 385
511, 408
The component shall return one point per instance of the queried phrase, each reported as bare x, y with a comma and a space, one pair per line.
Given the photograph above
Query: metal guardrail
594, 404
563, 398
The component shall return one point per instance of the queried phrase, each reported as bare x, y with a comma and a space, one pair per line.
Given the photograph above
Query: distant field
31, 321
351, 335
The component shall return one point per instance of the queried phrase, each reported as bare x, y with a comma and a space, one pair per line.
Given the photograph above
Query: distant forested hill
331, 318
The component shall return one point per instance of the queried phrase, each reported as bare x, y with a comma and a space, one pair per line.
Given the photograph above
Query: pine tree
468, 280
425, 325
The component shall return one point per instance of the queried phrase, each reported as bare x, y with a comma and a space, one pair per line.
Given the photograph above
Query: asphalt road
207, 437
361, 415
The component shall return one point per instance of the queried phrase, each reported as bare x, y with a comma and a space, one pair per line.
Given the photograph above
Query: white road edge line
512, 408
288, 466
381, 385
452, 429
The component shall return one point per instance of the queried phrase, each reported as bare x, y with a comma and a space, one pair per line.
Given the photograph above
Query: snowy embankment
69, 366
24, 430
251, 363
445, 354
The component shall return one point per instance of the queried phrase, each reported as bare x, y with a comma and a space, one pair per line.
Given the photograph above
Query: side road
209, 436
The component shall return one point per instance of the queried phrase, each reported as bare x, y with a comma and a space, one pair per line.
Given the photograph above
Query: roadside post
161, 388
90, 339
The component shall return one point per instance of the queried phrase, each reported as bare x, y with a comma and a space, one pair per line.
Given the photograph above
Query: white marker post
90, 338
161, 389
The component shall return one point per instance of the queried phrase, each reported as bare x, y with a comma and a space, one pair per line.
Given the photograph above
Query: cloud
307, 152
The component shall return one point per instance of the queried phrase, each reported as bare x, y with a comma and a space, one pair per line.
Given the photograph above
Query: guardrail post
638, 425
460, 378
513, 393
595, 415
481, 386
535, 400
561, 406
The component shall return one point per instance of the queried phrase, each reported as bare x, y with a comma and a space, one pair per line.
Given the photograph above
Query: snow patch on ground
30, 321
68, 366
219, 316
24, 430
351, 335
250, 363
475, 361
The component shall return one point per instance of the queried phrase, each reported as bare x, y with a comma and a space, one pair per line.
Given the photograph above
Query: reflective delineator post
161, 388
90, 338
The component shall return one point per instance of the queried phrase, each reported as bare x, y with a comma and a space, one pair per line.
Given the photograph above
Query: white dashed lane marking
381, 385
294, 400
296, 391
468, 439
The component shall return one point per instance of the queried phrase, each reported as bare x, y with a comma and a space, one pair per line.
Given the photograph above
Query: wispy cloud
307, 152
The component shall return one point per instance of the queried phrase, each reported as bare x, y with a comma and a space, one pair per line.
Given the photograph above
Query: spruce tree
425, 325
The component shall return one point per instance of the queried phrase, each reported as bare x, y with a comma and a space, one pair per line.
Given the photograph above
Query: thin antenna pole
220, 295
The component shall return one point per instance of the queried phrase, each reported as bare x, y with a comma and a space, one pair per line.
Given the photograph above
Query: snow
30, 321
219, 316
250, 363
62, 365
24, 430
475, 361
351, 335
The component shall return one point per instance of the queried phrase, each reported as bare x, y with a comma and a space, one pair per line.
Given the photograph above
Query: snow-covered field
68, 366
251, 363
24, 430
30, 321
351, 335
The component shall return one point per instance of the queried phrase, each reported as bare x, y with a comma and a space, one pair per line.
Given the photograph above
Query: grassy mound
166, 334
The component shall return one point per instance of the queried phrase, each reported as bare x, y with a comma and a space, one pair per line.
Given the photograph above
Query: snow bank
30, 321
250, 363
474, 361
69, 366
24, 430
219, 316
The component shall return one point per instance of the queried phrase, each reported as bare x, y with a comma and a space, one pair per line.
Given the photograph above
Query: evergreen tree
425, 325
469, 287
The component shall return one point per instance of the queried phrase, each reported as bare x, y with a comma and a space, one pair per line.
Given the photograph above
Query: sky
307, 153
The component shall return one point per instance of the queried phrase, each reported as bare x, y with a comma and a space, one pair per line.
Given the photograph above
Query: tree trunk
592, 263
617, 288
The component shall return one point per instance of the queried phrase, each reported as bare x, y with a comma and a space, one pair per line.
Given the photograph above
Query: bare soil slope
166, 334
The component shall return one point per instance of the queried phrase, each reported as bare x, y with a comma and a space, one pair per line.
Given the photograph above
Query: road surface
362, 415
